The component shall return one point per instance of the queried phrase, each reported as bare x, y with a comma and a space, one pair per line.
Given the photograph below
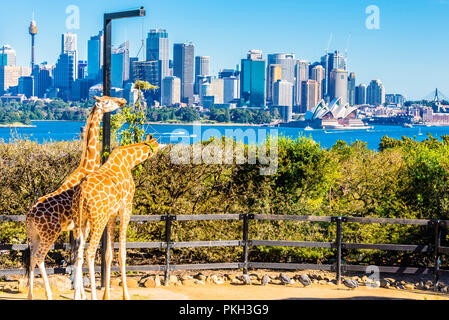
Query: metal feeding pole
108, 17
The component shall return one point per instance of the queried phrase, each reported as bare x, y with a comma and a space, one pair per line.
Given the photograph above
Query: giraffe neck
90, 159
124, 159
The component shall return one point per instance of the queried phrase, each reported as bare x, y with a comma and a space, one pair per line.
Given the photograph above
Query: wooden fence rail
435, 248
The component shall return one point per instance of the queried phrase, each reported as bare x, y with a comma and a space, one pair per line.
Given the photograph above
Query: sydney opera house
335, 115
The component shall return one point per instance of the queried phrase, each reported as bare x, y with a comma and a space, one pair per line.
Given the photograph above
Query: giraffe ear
148, 137
98, 99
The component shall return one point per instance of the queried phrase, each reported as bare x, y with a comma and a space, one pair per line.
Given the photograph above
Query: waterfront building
338, 85
274, 75
283, 98
26, 86
287, 63
9, 76
183, 68
360, 94
7, 56
171, 93
120, 65
351, 89
375, 93
95, 57
42, 74
252, 80
231, 89
158, 49
319, 75
202, 69
301, 74
310, 94
395, 98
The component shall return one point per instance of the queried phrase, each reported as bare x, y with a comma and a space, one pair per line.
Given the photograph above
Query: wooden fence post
338, 244
245, 241
437, 244
168, 222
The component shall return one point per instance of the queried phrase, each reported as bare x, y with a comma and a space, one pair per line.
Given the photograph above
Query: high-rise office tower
375, 93
43, 74
273, 75
7, 56
171, 93
287, 63
183, 68
145, 71
82, 69
65, 70
68, 42
26, 86
32, 30
231, 90
120, 65
360, 94
158, 49
310, 95
283, 98
301, 74
202, 69
9, 76
95, 57
319, 75
252, 80
331, 61
338, 85
351, 89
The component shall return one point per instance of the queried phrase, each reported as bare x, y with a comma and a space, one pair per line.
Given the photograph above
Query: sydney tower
33, 31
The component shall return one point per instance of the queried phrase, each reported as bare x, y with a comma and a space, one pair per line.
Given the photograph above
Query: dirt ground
243, 292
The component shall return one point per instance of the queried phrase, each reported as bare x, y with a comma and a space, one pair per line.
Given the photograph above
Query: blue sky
408, 53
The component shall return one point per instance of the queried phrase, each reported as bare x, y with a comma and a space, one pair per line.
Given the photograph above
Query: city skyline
384, 54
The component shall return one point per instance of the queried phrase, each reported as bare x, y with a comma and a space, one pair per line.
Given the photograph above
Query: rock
319, 277
236, 281
285, 279
364, 278
186, 277
200, 276
400, 286
427, 287
188, 282
149, 283
230, 277
157, 279
132, 283
199, 282
265, 280
314, 281
350, 283
322, 282
115, 282
444, 289
409, 286
172, 279
246, 279
304, 280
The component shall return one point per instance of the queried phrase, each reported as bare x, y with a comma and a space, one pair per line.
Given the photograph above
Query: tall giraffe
97, 201
52, 213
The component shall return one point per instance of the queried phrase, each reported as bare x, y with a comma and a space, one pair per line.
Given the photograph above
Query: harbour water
46, 131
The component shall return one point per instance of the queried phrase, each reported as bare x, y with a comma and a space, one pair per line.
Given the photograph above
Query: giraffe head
109, 104
130, 156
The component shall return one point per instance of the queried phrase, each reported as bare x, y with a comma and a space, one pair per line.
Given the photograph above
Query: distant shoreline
221, 124
17, 125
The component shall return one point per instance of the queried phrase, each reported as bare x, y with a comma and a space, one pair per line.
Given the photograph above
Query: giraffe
51, 214
97, 201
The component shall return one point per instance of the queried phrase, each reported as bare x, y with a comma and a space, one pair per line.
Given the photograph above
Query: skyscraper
68, 42
120, 65
7, 56
9, 76
231, 90
310, 95
171, 93
301, 74
331, 61
252, 80
42, 79
26, 86
375, 93
274, 74
158, 50
287, 63
95, 57
319, 75
66, 68
360, 94
183, 68
202, 69
351, 89
338, 85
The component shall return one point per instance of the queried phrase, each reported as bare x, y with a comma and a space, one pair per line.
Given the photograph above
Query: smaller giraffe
97, 201
52, 213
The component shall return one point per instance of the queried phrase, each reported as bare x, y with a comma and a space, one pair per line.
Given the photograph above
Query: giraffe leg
41, 251
90, 255
79, 267
34, 245
46, 282
86, 234
109, 255
124, 220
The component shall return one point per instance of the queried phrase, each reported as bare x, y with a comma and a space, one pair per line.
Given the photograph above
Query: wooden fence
434, 249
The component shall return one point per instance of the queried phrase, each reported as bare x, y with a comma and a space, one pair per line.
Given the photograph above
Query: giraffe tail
77, 208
